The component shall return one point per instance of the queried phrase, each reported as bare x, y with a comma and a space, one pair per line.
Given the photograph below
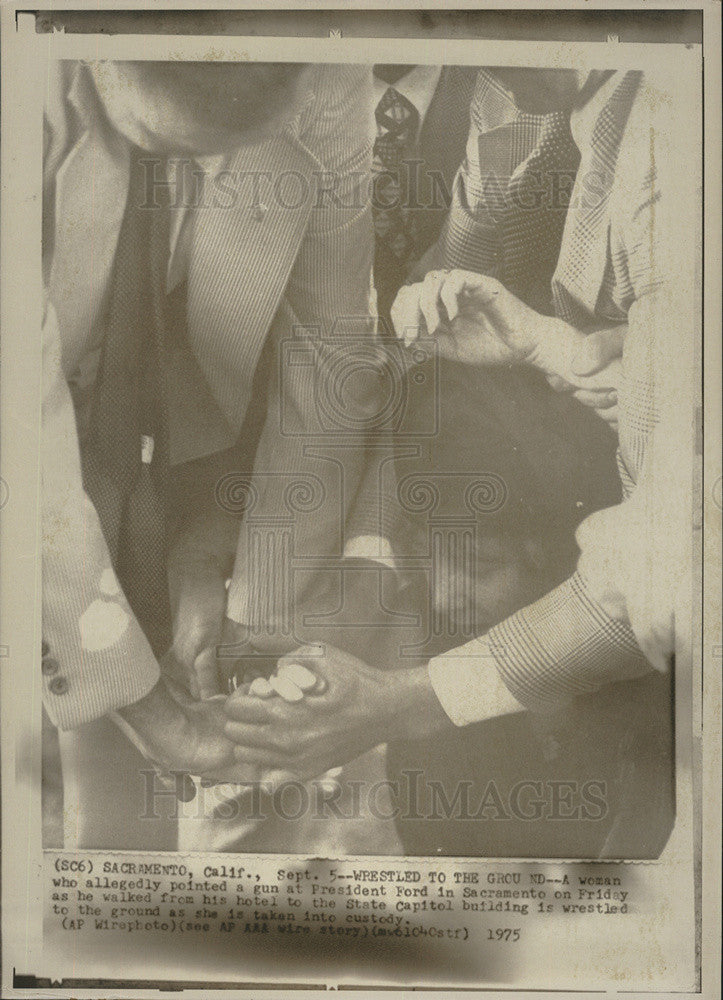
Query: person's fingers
286, 689
320, 687
596, 400
455, 283
309, 656
251, 737
270, 738
252, 711
197, 623
255, 771
448, 293
261, 688
610, 416
189, 638
603, 384
275, 769
235, 659
173, 669
598, 350
558, 383
205, 674
234, 640
301, 676
194, 687
405, 313
302, 662
429, 300
246, 707
273, 779
484, 290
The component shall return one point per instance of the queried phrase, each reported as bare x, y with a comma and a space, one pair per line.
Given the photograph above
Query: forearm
144, 721
562, 646
412, 709
556, 344
419, 702
579, 360
96, 656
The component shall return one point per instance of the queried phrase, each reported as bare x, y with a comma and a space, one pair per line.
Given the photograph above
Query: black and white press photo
356, 458
368, 482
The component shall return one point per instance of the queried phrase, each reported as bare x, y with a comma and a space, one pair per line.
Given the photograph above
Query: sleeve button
49, 666
59, 685
44, 648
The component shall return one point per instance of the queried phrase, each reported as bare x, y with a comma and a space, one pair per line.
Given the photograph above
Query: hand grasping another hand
477, 321
351, 709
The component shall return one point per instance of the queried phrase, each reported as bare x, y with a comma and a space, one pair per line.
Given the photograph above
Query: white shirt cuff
373, 547
468, 685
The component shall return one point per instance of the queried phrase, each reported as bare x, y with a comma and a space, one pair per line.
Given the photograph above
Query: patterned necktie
129, 468
394, 226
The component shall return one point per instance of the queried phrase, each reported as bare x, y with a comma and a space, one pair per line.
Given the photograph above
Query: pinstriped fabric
240, 265
228, 319
102, 654
323, 321
442, 142
324, 312
251, 275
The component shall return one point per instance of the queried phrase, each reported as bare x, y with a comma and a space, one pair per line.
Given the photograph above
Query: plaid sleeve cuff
562, 646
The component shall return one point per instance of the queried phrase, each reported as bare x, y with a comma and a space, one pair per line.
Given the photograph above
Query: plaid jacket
620, 262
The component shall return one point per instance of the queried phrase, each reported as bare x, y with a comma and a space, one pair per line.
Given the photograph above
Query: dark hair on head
252, 92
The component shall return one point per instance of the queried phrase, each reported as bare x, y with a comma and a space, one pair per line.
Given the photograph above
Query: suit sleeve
614, 618
357, 380
95, 656
470, 237
320, 441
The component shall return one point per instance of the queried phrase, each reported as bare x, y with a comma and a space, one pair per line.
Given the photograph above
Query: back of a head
196, 107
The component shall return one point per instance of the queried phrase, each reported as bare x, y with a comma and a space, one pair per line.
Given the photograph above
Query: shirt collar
307, 101
495, 106
418, 86
584, 116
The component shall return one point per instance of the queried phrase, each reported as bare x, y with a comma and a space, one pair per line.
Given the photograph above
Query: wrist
555, 347
413, 710
154, 715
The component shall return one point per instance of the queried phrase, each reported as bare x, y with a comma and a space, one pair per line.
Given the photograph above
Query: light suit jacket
282, 251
